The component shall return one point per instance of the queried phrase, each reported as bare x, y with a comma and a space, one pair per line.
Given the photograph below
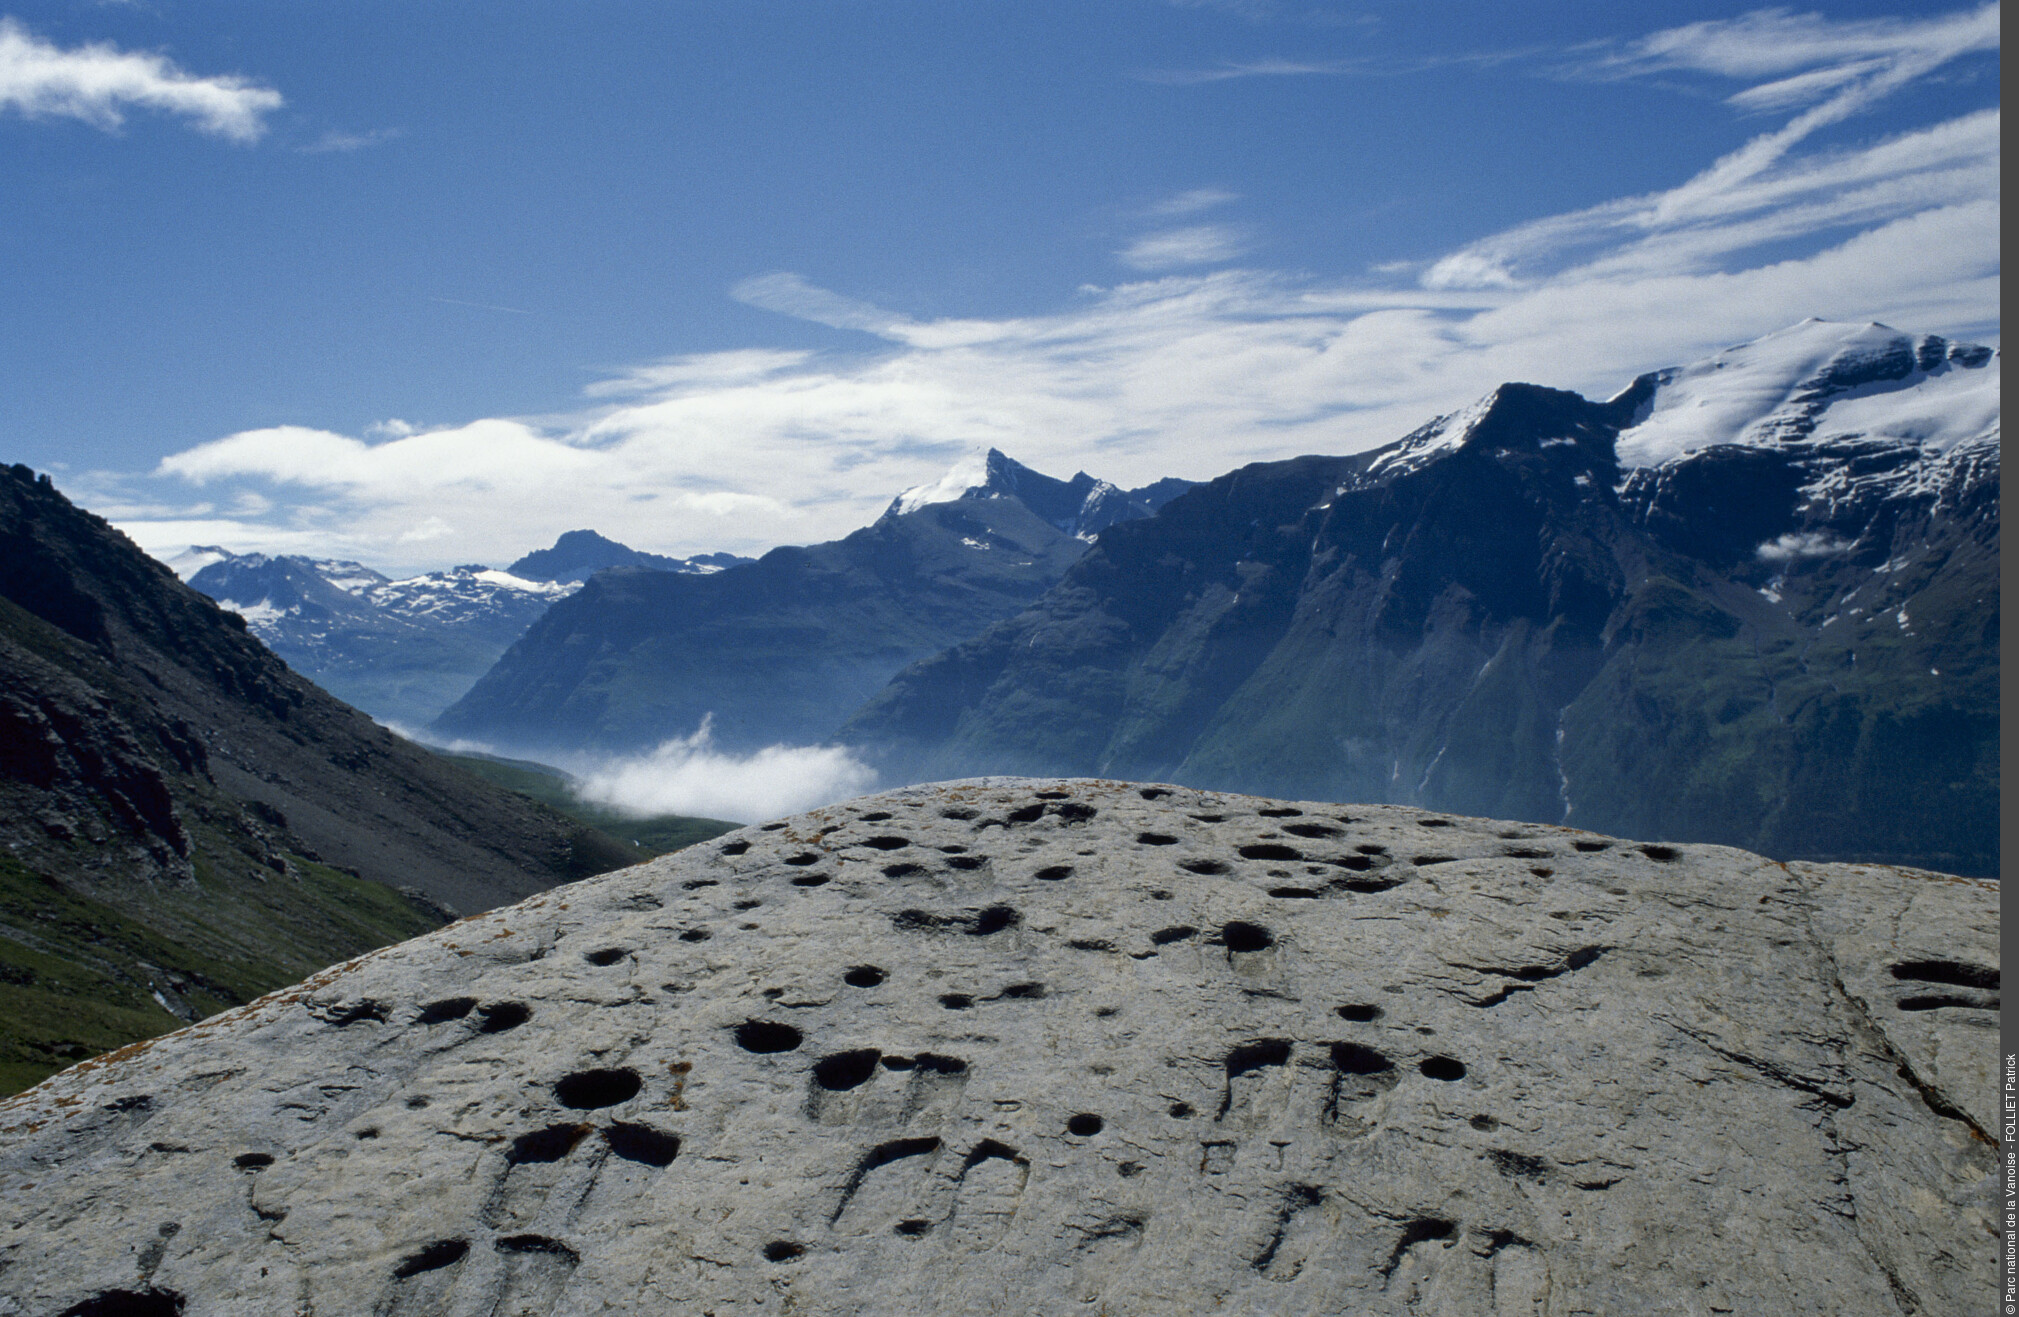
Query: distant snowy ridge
403, 650
265, 589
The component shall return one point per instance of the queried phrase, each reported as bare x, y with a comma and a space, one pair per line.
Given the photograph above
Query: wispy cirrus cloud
791, 295
1758, 193
1190, 202
337, 140
1774, 42
1195, 244
98, 84
1180, 373
1254, 68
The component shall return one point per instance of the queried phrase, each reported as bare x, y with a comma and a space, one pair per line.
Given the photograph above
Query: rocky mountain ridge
1044, 1045
1082, 507
579, 554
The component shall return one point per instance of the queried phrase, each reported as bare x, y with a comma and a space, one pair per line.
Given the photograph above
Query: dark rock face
185, 821
1061, 1046
1787, 644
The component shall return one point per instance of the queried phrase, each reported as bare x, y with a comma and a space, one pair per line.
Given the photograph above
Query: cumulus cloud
688, 775
1181, 372
98, 83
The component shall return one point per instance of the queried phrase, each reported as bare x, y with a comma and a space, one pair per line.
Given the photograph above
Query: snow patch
969, 473
1442, 435
1786, 385
257, 615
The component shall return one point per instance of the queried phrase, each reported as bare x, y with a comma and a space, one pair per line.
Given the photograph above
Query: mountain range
403, 650
1753, 600
186, 823
785, 648
1750, 600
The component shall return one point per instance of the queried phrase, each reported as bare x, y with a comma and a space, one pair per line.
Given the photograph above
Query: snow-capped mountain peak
968, 477
1815, 380
1082, 506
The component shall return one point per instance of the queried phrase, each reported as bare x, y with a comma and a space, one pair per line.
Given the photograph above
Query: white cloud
1468, 269
335, 139
1186, 374
1192, 202
1806, 544
688, 775
1168, 249
1768, 42
1254, 68
481, 306
791, 295
97, 83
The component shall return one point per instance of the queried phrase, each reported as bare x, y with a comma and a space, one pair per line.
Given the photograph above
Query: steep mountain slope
782, 649
1752, 601
185, 823
579, 554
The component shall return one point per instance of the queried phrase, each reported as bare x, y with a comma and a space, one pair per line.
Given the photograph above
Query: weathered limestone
1016, 1046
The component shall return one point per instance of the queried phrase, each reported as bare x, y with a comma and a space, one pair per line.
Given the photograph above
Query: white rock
1477, 1068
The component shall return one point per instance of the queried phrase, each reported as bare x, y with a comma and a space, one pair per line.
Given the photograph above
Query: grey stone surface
1015, 1046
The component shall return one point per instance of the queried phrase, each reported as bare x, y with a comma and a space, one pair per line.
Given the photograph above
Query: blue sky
422, 284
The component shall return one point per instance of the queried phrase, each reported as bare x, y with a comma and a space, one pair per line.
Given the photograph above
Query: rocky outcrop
1046, 1046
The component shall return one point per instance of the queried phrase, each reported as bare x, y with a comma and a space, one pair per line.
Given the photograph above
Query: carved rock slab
1039, 1046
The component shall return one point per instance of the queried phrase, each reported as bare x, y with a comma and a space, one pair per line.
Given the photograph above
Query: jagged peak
980, 472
